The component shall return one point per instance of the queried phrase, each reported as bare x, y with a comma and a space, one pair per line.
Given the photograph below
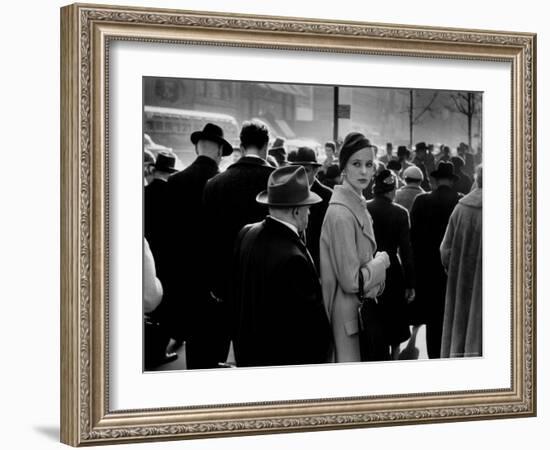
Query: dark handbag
372, 341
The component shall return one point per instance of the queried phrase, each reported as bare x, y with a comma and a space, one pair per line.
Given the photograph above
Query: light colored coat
406, 195
461, 255
347, 246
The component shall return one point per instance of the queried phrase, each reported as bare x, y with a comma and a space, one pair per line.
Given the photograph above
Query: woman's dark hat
353, 142
287, 187
444, 170
165, 162
214, 133
304, 156
385, 181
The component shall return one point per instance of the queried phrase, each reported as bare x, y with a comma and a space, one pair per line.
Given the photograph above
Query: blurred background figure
461, 255
463, 183
148, 166
463, 150
421, 156
278, 152
388, 156
403, 155
413, 179
444, 155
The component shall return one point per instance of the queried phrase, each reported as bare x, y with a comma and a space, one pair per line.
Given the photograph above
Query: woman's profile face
360, 169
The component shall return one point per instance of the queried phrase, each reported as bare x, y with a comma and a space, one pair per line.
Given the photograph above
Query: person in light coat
348, 246
461, 255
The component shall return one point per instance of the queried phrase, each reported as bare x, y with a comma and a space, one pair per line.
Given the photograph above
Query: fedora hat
402, 150
279, 142
303, 156
214, 133
444, 170
288, 186
165, 162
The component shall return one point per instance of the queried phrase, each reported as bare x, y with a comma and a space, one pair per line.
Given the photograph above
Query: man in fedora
229, 204
278, 152
189, 305
403, 155
306, 158
156, 224
156, 205
429, 218
279, 305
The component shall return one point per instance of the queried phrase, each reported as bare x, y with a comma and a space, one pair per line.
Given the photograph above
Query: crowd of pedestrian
289, 260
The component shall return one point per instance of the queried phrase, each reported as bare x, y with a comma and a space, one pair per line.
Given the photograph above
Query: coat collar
252, 161
358, 207
205, 161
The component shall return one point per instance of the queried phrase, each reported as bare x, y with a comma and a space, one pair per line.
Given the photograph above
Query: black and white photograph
295, 224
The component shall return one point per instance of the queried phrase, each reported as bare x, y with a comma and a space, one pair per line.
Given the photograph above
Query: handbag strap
361, 292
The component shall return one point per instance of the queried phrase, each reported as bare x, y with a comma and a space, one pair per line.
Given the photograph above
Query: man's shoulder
323, 191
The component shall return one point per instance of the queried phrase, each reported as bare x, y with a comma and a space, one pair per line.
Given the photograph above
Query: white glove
383, 256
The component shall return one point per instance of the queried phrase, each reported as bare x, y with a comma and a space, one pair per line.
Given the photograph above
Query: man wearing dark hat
403, 155
306, 158
281, 317
420, 159
230, 203
391, 230
388, 156
156, 206
278, 152
190, 307
156, 223
463, 150
463, 184
429, 218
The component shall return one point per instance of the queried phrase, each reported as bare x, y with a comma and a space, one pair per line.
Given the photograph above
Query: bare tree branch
426, 108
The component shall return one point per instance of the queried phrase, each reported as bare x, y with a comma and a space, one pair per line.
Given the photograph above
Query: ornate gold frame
86, 31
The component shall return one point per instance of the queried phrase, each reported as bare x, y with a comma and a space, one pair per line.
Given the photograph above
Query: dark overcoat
230, 204
391, 230
429, 218
279, 304
156, 224
188, 287
316, 216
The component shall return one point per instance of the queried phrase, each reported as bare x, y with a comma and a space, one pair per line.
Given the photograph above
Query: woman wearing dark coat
391, 229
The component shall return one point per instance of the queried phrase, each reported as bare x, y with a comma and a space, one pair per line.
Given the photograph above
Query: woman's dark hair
254, 134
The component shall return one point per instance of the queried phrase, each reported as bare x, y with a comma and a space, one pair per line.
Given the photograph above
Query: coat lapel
358, 206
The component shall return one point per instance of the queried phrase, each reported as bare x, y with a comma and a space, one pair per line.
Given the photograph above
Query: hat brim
313, 198
227, 148
304, 163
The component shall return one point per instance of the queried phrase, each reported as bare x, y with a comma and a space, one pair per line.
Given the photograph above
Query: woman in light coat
348, 246
461, 255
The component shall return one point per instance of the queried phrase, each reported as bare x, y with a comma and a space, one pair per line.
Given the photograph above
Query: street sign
344, 111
